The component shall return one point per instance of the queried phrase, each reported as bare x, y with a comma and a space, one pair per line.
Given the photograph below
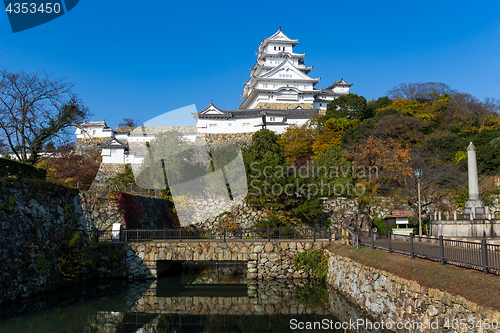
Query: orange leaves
331, 134
297, 141
388, 156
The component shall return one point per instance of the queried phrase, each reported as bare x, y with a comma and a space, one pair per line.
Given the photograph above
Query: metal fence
185, 234
481, 256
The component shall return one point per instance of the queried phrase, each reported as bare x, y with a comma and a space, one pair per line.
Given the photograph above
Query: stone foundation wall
240, 139
106, 171
240, 216
35, 221
394, 300
466, 228
101, 210
89, 146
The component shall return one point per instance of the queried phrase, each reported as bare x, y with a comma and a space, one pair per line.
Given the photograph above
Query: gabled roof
286, 65
211, 109
113, 143
296, 113
278, 37
340, 82
93, 124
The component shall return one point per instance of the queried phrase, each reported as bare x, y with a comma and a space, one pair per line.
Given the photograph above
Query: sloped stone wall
241, 216
101, 210
216, 140
89, 146
391, 299
35, 219
106, 171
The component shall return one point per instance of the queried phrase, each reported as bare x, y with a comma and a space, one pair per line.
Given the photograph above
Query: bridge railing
481, 256
223, 234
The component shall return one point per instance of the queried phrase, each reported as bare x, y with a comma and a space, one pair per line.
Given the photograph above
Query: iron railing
481, 256
186, 234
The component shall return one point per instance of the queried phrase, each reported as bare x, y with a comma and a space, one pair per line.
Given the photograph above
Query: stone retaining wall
106, 171
241, 216
36, 220
217, 139
89, 146
389, 298
101, 210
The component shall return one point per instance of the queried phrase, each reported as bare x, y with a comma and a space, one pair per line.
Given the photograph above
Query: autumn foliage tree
66, 167
331, 133
297, 142
386, 162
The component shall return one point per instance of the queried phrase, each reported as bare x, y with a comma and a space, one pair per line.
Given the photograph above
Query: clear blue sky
139, 59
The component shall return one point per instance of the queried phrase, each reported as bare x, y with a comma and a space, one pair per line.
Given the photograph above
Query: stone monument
474, 205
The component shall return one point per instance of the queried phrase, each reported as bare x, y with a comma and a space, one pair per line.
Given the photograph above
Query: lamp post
418, 175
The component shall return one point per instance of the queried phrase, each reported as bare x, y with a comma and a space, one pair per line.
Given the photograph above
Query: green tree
272, 184
363, 129
349, 106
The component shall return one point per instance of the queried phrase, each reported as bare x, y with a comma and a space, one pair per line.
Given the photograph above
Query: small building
401, 219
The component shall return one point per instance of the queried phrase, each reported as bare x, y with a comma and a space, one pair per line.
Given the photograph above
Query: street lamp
418, 175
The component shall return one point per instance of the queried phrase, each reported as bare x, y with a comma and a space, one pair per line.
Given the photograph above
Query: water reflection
193, 301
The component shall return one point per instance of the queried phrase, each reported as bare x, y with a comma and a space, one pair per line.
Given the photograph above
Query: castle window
212, 125
246, 124
272, 119
275, 48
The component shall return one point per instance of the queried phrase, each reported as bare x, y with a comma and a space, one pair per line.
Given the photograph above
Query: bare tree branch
34, 110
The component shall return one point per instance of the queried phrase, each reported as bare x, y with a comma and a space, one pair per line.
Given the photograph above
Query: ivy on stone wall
132, 209
312, 261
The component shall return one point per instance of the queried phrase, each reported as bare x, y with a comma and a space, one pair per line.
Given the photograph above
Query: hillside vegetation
369, 149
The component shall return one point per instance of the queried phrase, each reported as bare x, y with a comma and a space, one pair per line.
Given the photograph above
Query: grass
471, 284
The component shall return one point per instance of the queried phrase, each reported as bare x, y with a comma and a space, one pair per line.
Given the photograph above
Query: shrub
380, 225
273, 221
16, 169
313, 262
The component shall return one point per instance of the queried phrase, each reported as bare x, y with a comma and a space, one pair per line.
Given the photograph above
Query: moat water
191, 298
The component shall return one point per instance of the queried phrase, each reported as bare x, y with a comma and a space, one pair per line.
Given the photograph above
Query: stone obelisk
474, 205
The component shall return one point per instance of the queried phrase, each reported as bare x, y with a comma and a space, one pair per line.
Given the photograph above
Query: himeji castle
278, 93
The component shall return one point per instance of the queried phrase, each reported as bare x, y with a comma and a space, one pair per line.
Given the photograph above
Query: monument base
476, 208
478, 228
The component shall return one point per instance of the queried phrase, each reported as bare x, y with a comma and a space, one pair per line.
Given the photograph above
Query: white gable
211, 109
286, 70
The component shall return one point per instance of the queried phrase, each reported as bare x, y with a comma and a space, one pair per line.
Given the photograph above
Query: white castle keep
278, 94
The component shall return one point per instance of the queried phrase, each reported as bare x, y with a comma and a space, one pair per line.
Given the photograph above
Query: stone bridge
265, 260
